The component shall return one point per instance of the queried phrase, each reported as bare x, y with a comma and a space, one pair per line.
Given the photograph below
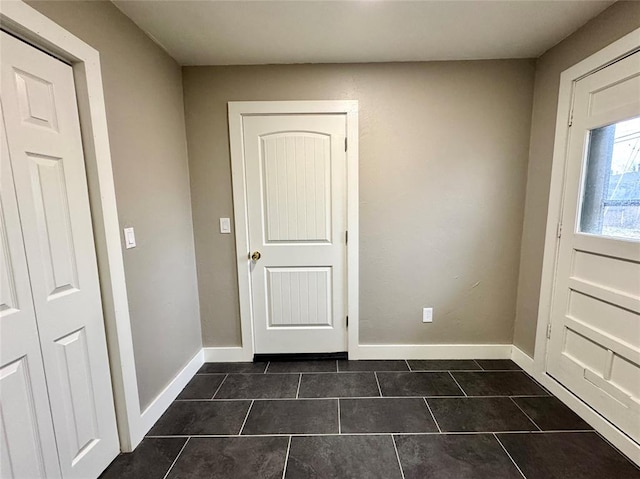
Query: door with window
296, 205
594, 345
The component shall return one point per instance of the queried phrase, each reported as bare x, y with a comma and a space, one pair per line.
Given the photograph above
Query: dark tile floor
369, 419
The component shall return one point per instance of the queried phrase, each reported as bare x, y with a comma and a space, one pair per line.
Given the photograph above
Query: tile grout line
246, 417
393, 439
637, 466
523, 412
377, 382
218, 389
431, 433
408, 365
361, 397
432, 415
299, 382
265, 369
478, 364
456, 381
176, 459
339, 422
507, 453
286, 458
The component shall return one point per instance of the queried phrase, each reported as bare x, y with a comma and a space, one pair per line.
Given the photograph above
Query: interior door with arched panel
296, 204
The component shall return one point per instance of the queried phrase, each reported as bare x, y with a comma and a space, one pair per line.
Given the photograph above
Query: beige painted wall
443, 161
145, 114
613, 23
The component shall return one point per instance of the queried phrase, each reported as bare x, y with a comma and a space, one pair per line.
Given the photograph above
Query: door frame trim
617, 50
34, 28
236, 111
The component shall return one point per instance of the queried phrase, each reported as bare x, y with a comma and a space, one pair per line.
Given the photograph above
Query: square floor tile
192, 418
380, 415
561, 455
150, 460
550, 414
508, 383
338, 385
351, 366
326, 366
479, 415
498, 365
443, 365
295, 416
202, 386
209, 368
454, 456
369, 457
232, 457
418, 384
258, 386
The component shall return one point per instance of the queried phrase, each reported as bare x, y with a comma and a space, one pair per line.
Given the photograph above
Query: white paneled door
594, 346
296, 201
62, 290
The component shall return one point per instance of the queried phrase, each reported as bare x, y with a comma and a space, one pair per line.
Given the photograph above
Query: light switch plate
129, 238
225, 225
427, 315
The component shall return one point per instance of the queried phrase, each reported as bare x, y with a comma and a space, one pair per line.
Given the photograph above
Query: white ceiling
260, 32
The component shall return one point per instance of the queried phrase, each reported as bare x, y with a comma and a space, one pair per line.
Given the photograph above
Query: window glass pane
611, 200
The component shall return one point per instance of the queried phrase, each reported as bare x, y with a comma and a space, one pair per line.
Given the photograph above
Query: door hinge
559, 229
346, 237
347, 321
571, 118
345, 143
549, 331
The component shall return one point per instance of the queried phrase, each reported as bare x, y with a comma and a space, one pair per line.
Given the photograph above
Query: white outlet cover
427, 315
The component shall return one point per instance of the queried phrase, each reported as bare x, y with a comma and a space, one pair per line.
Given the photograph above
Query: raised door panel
48, 163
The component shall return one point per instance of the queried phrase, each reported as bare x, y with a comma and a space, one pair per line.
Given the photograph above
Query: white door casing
296, 203
28, 442
594, 346
39, 107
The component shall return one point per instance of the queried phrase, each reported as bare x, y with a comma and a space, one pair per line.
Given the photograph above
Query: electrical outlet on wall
427, 315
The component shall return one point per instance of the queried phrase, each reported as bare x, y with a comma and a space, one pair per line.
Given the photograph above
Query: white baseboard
160, 404
431, 351
522, 359
612, 434
227, 355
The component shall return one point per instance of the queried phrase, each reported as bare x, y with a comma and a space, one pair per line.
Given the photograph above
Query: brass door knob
255, 256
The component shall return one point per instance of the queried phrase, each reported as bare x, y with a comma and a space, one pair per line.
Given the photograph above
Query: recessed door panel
299, 297
297, 187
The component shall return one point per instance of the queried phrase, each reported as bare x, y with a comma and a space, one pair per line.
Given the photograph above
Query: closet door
45, 149
28, 446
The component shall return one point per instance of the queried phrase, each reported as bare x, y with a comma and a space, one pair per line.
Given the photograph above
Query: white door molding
238, 110
28, 24
623, 47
